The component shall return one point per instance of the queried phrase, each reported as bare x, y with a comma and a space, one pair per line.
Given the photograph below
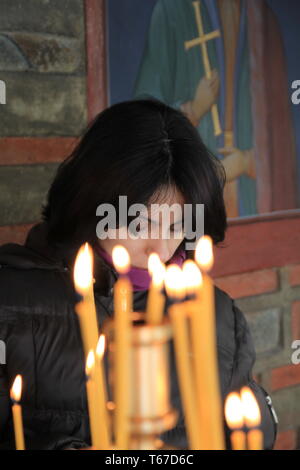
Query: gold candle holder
150, 411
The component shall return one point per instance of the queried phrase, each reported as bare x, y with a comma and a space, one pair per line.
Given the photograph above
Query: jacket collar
37, 252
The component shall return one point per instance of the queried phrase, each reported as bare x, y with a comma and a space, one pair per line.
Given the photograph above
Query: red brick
286, 440
294, 275
29, 150
285, 376
295, 320
248, 284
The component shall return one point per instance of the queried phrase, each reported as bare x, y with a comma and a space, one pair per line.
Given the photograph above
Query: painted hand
238, 162
206, 94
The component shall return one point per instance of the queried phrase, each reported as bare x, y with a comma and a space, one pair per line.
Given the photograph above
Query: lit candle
156, 299
123, 310
15, 394
175, 288
205, 347
83, 280
193, 282
252, 419
235, 421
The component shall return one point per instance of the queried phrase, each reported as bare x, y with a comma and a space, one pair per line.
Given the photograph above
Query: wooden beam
259, 242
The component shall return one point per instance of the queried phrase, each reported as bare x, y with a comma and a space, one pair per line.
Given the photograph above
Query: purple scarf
140, 277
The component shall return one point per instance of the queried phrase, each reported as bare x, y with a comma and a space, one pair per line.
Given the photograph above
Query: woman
150, 153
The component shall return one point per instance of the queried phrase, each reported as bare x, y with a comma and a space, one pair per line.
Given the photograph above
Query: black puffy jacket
43, 344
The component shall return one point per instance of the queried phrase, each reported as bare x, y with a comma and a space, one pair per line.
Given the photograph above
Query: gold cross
201, 41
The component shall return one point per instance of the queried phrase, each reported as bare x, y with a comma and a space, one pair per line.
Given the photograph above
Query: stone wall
43, 65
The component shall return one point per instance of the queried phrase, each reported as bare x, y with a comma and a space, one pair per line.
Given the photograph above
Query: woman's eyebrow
150, 220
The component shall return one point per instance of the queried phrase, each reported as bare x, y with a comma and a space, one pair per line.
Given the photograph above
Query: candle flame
100, 346
90, 362
153, 262
234, 411
16, 389
121, 259
83, 268
192, 276
174, 282
159, 276
157, 270
204, 253
250, 408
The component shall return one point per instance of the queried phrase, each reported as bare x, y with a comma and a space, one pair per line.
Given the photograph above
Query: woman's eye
176, 228
141, 227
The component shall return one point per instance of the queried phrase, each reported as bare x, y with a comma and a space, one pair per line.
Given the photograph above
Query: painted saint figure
177, 76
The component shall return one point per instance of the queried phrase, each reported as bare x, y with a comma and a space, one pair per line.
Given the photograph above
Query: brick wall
270, 299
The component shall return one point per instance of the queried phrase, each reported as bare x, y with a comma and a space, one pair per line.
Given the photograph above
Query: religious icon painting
229, 65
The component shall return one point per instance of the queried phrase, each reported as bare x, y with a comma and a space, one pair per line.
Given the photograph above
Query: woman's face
162, 234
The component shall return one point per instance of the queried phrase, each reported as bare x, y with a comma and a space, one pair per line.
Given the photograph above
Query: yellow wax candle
255, 439
238, 440
193, 309
252, 418
156, 299
93, 402
101, 395
15, 394
123, 309
235, 421
206, 362
174, 284
83, 280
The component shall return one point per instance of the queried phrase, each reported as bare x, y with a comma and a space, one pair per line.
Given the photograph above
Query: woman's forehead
167, 195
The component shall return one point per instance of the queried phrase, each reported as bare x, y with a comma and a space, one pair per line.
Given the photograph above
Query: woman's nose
161, 248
